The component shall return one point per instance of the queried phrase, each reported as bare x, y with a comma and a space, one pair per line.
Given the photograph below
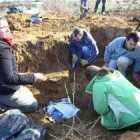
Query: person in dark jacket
83, 47
12, 93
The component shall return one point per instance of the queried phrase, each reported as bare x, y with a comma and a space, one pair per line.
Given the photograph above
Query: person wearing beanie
12, 94
123, 52
82, 47
114, 98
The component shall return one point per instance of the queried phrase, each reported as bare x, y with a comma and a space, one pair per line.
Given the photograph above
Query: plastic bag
15, 125
61, 110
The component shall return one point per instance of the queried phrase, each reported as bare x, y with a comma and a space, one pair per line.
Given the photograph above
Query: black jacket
9, 77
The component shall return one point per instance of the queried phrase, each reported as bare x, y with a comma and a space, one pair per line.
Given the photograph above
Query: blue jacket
116, 48
87, 40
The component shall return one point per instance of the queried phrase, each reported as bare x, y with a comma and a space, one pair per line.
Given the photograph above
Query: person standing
103, 6
83, 8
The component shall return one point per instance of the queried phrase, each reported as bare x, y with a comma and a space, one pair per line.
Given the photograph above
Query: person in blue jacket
83, 47
123, 52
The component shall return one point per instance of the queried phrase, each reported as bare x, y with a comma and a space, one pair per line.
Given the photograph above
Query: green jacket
116, 100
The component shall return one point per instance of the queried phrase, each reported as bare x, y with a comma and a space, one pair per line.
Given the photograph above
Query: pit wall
50, 55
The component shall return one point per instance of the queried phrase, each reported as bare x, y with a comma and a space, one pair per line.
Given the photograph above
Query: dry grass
73, 6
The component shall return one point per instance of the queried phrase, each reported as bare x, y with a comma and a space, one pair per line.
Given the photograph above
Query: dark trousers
91, 107
97, 4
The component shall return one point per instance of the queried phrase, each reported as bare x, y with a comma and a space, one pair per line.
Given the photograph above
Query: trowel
37, 18
73, 64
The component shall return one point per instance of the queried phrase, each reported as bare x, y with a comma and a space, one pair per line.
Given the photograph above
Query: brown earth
44, 48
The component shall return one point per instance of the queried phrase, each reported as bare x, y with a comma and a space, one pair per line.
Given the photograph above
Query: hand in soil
41, 80
39, 77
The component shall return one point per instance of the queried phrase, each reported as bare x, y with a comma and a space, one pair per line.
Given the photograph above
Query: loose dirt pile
44, 48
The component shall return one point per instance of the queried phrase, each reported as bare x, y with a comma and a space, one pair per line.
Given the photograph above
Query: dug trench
50, 55
48, 52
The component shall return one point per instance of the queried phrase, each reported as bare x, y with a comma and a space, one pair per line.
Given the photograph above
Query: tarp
15, 125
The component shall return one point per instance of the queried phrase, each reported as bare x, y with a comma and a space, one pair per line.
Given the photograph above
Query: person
123, 52
83, 47
83, 8
12, 94
114, 98
97, 4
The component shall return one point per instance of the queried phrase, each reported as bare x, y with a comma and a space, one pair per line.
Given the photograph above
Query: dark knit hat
91, 71
77, 31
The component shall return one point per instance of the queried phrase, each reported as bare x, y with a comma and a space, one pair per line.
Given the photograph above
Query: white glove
39, 77
21, 73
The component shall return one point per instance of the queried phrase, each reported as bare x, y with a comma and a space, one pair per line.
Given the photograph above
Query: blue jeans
22, 99
85, 4
83, 54
121, 64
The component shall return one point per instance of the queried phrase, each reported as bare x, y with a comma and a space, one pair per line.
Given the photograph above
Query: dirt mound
17, 21
127, 13
62, 22
44, 48
130, 136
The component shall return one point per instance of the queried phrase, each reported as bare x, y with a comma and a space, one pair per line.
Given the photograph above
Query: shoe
2, 110
82, 16
103, 13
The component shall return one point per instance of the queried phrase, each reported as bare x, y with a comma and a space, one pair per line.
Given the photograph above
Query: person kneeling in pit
123, 52
82, 47
12, 94
114, 98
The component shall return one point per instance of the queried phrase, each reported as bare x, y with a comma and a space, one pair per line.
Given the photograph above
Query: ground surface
44, 48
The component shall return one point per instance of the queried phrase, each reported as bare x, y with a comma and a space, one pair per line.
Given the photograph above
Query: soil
44, 48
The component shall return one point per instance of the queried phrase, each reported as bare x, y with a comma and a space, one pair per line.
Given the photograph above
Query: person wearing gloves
123, 52
114, 98
12, 94
83, 47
